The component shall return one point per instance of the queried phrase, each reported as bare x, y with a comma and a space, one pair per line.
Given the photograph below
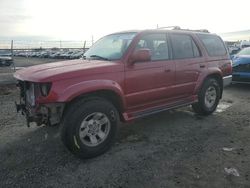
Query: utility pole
12, 55
84, 48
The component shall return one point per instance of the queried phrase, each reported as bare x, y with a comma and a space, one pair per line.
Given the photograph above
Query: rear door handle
167, 70
202, 66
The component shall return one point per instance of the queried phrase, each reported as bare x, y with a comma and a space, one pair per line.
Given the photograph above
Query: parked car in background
5, 58
241, 66
76, 55
233, 50
244, 44
51, 53
122, 77
5, 61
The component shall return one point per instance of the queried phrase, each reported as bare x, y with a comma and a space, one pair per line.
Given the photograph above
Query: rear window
213, 44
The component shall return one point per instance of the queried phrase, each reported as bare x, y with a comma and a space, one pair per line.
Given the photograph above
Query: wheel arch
107, 94
219, 78
215, 75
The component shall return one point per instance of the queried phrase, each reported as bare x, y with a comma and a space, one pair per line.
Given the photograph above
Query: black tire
200, 107
72, 122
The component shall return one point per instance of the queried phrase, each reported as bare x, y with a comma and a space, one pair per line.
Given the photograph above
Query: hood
241, 60
66, 69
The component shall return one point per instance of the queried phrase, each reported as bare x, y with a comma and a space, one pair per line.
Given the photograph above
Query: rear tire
89, 127
208, 97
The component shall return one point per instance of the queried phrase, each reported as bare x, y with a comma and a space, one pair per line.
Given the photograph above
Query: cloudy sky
80, 19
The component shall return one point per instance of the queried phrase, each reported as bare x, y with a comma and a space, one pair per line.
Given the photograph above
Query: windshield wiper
100, 57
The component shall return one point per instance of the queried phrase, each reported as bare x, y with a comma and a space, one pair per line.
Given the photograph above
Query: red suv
124, 76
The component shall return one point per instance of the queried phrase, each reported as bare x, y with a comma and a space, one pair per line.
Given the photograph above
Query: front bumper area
35, 111
46, 114
241, 77
227, 80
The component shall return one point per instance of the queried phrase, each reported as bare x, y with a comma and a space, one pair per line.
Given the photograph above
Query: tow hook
27, 121
19, 107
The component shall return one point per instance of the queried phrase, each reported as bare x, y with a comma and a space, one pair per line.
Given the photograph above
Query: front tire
89, 127
208, 97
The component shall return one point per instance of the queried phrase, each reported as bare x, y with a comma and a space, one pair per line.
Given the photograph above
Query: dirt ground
171, 149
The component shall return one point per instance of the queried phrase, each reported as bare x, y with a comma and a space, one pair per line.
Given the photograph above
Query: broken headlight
30, 94
45, 88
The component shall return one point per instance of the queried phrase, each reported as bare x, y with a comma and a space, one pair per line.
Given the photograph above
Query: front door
148, 83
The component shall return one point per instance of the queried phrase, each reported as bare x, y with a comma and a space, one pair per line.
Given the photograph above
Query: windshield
245, 51
110, 47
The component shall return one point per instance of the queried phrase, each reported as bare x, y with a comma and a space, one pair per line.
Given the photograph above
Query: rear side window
213, 44
184, 46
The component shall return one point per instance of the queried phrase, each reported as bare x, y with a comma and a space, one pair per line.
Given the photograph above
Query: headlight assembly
30, 94
45, 88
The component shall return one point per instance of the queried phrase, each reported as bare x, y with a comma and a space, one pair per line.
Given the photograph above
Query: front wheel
89, 127
208, 97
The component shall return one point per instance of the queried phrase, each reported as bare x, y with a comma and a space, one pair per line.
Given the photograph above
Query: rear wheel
208, 97
89, 127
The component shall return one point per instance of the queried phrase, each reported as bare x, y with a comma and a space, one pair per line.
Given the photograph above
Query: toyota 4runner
124, 76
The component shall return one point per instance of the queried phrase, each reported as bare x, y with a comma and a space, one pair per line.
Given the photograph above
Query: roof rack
170, 27
197, 30
179, 28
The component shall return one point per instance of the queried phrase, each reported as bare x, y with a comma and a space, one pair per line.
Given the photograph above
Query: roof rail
179, 28
170, 27
197, 30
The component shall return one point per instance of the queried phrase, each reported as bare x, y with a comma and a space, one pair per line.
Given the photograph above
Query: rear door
149, 82
188, 61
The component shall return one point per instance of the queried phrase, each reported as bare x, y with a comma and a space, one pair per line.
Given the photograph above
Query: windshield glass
110, 47
245, 51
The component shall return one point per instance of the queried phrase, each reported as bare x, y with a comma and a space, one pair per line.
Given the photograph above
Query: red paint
140, 86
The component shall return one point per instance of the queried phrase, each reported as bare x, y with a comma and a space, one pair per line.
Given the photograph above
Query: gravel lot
171, 149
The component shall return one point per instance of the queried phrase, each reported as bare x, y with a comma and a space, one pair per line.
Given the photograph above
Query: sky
82, 19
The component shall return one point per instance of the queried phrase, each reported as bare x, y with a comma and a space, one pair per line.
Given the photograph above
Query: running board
158, 109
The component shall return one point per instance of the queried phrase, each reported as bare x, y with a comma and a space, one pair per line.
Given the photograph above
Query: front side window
111, 47
157, 44
184, 46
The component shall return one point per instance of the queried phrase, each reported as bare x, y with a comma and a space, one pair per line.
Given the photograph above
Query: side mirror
140, 55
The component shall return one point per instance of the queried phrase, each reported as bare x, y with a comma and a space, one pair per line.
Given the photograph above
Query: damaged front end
241, 72
32, 109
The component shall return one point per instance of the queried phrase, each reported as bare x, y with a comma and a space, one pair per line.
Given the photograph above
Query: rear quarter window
213, 44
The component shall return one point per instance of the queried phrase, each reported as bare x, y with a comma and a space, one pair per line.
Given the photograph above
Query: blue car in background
241, 66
